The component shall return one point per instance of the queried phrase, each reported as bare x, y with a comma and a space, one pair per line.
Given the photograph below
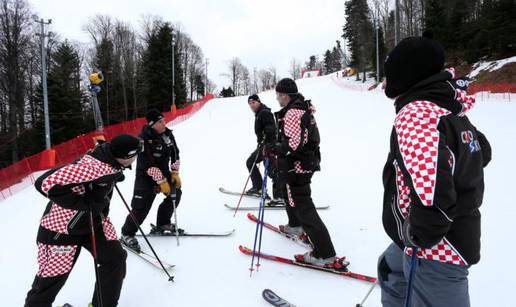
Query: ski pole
94, 253
248, 177
175, 217
259, 225
262, 209
367, 295
411, 276
170, 278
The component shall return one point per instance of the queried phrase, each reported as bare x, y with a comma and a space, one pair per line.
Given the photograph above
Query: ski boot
333, 263
166, 230
131, 242
297, 233
254, 192
275, 202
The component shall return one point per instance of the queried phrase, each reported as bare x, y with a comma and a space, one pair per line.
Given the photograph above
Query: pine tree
65, 97
435, 20
157, 71
328, 65
104, 62
357, 32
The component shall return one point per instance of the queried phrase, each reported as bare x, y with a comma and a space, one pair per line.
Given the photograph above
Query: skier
298, 155
157, 171
265, 130
433, 180
75, 190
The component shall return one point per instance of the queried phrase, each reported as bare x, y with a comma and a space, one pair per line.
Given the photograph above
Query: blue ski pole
259, 225
411, 276
262, 209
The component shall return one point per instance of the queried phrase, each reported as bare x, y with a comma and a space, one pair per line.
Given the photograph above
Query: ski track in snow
215, 143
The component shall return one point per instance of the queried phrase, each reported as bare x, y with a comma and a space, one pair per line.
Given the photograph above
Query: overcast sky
260, 32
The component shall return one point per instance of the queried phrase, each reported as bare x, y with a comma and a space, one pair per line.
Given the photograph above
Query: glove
176, 179
164, 187
407, 236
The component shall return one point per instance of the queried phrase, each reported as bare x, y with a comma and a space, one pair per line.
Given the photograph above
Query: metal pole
173, 68
396, 24
377, 53
96, 113
206, 81
42, 36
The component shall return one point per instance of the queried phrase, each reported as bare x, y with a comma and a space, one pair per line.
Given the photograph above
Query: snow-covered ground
490, 66
215, 143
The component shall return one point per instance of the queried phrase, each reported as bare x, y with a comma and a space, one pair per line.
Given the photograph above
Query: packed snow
355, 127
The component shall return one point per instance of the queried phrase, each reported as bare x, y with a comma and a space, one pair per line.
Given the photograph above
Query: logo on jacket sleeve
468, 138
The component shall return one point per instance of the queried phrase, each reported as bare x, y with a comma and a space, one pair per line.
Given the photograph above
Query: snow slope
215, 143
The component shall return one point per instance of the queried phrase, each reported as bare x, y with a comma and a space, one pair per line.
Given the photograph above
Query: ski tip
250, 216
245, 250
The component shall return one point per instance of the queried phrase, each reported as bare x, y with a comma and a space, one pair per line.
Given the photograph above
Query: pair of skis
346, 273
154, 262
269, 204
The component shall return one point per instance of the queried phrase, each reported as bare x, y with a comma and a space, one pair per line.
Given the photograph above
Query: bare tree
99, 27
14, 49
274, 74
234, 73
295, 69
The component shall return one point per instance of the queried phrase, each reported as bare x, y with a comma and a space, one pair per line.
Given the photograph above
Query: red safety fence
20, 174
492, 87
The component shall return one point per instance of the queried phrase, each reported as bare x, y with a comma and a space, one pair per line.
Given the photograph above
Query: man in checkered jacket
157, 171
75, 190
298, 158
433, 179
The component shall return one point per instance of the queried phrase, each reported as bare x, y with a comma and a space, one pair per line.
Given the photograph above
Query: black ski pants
141, 205
57, 261
256, 176
301, 212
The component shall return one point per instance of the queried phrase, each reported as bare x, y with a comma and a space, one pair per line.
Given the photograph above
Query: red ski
296, 239
249, 252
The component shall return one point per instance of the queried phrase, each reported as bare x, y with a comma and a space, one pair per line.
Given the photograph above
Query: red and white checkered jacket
293, 134
73, 190
435, 174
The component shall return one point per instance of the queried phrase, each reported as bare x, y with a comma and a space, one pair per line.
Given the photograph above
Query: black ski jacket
159, 157
264, 125
434, 172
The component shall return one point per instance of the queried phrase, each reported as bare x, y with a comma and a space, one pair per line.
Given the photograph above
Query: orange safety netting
20, 174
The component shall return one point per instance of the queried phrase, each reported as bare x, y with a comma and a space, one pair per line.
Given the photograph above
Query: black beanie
125, 146
253, 97
153, 116
411, 61
286, 86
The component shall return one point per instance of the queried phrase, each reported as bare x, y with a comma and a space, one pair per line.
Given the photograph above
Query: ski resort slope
215, 143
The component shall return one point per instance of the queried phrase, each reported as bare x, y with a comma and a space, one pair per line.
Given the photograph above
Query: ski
222, 190
296, 239
183, 233
149, 258
274, 299
350, 274
188, 234
268, 207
